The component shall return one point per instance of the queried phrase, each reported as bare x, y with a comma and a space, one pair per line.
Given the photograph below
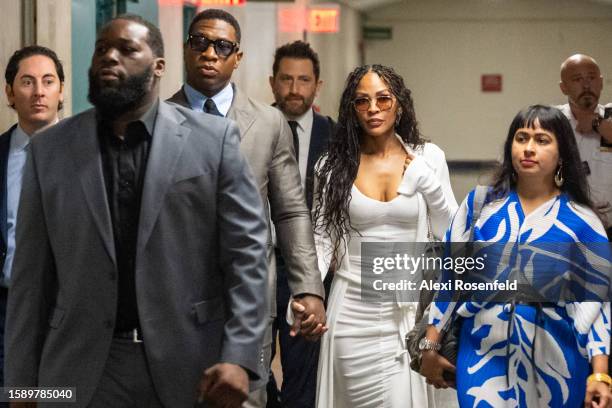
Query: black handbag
449, 334
449, 341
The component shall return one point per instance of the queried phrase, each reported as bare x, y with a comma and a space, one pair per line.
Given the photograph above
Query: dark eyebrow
47, 75
123, 41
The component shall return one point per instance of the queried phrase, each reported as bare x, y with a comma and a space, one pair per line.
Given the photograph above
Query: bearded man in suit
141, 246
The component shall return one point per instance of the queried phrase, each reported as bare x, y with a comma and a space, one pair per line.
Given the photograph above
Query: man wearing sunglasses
211, 54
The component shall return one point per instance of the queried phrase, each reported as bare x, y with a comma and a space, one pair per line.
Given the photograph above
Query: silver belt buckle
135, 338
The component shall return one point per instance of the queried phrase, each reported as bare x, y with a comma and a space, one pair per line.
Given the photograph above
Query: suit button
112, 276
108, 324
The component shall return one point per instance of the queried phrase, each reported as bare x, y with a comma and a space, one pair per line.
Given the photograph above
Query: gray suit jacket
267, 143
200, 264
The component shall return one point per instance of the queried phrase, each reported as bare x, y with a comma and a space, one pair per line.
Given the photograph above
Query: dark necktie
210, 107
296, 142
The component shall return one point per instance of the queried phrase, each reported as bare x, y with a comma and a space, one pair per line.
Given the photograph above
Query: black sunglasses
223, 48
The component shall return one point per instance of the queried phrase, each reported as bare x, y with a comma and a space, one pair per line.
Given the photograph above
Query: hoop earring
559, 177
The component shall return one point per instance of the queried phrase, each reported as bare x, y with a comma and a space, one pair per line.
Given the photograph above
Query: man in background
35, 90
295, 83
582, 82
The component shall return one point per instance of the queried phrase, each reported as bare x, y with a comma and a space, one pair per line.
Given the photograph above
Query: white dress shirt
599, 161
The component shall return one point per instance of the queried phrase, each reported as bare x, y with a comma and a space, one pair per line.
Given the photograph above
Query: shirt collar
223, 99
147, 119
305, 119
19, 139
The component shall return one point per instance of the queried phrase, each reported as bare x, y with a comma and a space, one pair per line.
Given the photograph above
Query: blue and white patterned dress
497, 364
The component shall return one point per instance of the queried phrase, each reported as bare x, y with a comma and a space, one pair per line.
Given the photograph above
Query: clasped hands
308, 317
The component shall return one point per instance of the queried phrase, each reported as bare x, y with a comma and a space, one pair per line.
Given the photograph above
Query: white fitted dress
363, 362
369, 369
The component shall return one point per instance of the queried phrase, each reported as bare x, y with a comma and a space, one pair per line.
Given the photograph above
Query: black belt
135, 335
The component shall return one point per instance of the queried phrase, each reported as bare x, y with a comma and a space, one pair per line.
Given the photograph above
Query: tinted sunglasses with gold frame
383, 102
223, 48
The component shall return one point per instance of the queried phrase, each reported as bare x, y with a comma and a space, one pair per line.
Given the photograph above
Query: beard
289, 107
587, 100
113, 100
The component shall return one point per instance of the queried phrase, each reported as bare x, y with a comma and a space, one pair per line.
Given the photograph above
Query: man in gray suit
211, 56
141, 245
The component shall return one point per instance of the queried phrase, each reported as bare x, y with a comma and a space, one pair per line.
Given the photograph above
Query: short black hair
217, 14
12, 67
296, 49
572, 171
154, 38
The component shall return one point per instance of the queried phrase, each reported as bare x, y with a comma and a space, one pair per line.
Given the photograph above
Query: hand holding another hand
309, 317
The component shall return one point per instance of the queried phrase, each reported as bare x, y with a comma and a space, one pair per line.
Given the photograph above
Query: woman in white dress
379, 182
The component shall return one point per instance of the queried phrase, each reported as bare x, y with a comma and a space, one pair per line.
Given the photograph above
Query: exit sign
202, 3
321, 18
324, 20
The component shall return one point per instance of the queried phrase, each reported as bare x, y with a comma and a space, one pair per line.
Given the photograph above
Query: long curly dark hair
554, 121
340, 164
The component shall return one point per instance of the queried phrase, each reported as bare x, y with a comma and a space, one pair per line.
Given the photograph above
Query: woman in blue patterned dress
531, 354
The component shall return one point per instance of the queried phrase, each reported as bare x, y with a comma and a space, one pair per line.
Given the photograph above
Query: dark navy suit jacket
5, 143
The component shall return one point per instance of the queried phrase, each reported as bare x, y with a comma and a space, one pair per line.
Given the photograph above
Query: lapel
319, 139
5, 143
241, 112
85, 152
169, 136
180, 98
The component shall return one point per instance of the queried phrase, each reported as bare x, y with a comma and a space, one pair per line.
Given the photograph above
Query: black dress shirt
124, 162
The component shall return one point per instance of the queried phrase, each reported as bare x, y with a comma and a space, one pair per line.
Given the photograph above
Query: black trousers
299, 357
126, 380
3, 296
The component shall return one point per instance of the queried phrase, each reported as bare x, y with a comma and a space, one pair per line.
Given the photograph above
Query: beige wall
53, 30
442, 47
10, 40
171, 26
339, 54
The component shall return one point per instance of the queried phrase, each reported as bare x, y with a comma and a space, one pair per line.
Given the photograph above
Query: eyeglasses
223, 48
383, 102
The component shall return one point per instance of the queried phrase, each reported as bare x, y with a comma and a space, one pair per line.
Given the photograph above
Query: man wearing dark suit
295, 84
141, 244
34, 88
211, 55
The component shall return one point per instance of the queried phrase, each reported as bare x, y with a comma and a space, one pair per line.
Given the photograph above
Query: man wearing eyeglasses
211, 55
